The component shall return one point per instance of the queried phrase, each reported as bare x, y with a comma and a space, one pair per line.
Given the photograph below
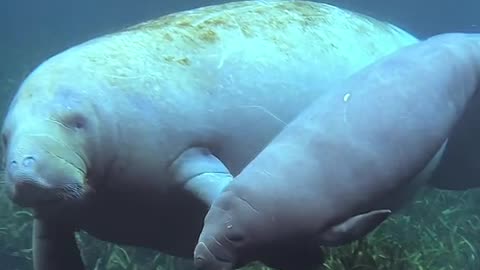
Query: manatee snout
35, 177
217, 243
244, 225
205, 259
24, 184
227, 231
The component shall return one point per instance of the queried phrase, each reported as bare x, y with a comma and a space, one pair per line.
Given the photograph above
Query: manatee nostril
13, 165
28, 161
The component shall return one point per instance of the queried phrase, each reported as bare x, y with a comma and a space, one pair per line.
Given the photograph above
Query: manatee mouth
30, 193
37, 195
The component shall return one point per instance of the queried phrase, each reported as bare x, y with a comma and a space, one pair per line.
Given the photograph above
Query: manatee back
220, 40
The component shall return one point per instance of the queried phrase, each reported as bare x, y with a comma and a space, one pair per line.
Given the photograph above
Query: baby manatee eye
75, 121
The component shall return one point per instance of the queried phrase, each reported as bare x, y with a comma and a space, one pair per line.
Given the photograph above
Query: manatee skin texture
345, 153
130, 136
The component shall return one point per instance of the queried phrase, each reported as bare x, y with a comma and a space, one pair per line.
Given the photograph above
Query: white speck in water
229, 226
346, 97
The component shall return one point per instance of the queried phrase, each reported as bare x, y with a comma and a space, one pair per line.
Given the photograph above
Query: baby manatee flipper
353, 228
201, 173
55, 247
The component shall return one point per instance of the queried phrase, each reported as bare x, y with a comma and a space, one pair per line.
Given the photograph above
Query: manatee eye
76, 121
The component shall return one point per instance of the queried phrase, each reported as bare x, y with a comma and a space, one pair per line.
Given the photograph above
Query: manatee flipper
353, 228
201, 173
55, 247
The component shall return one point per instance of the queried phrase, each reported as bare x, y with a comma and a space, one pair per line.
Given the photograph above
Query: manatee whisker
70, 191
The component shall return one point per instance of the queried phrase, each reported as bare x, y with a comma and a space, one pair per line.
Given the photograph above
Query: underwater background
438, 230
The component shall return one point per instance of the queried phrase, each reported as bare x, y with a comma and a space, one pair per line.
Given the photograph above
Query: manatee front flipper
54, 247
353, 228
201, 173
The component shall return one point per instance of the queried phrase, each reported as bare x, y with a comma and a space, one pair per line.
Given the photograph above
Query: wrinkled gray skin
130, 136
345, 154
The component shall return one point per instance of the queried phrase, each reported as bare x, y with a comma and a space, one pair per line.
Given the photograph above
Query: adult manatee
130, 136
344, 156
